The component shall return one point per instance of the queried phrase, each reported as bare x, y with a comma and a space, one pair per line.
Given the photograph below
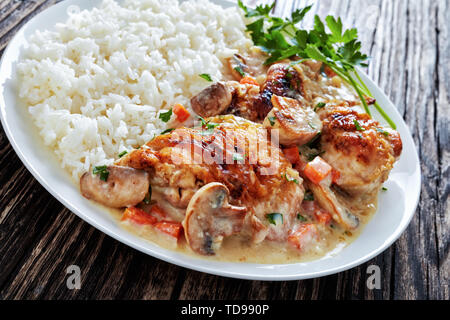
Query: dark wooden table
410, 49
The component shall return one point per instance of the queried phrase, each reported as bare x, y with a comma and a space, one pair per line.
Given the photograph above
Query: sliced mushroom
213, 100
209, 218
328, 200
123, 187
296, 124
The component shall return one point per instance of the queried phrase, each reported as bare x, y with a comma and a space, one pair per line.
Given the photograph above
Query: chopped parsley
102, 171
206, 76
309, 196
240, 71
165, 116
167, 131
288, 178
208, 125
272, 120
320, 105
383, 131
384, 189
358, 126
301, 218
275, 218
123, 153
238, 157
148, 196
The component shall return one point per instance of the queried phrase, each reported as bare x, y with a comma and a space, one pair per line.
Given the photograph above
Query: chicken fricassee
284, 165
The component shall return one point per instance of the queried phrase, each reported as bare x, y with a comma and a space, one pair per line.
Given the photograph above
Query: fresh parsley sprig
339, 49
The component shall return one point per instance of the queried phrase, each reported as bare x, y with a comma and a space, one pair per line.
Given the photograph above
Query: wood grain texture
409, 45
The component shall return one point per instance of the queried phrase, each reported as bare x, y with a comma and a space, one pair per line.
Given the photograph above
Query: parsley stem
358, 91
363, 84
366, 92
385, 116
377, 106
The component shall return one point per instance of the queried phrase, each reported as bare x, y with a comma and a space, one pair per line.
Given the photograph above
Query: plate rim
167, 257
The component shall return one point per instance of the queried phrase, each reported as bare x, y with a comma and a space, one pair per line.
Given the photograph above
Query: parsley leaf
238, 157
382, 131
258, 11
148, 196
289, 179
272, 120
165, 116
299, 14
275, 218
208, 125
123, 153
102, 171
320, 105
167, 131
206, 76
241, 72
358, 126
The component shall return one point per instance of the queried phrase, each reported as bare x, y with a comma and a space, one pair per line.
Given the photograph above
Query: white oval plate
395, 209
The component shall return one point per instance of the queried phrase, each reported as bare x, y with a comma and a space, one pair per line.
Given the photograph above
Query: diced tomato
180, 112
157, 212
322, 216
138, 216
249, 80
292, 154
335, 175
172, 229
303, 235
317, 170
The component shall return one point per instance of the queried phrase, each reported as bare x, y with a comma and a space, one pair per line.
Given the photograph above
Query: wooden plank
16, 13
442, 120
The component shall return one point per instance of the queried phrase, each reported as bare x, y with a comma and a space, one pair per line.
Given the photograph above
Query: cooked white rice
96, 84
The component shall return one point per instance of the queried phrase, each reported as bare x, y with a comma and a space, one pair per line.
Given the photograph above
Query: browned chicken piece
236, 153
296, 124
362, 152
210, 218
278, 83
123, 187
357, 146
